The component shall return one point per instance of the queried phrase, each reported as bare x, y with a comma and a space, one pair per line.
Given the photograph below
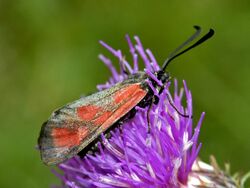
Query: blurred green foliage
48, 57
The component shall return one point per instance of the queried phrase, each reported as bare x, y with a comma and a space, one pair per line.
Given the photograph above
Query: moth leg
125, 72
172, 104
131, 114
91, 148
122, 66
148, 114
119, 125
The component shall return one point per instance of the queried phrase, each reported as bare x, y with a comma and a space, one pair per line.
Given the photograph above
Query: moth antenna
175, 53
190, 39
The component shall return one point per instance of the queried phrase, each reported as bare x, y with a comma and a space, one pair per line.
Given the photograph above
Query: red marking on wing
125, 93
66, 137
82, 132
136, 94
102, 118
88, 112
123, 101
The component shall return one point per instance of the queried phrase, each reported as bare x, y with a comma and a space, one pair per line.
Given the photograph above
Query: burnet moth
73, 127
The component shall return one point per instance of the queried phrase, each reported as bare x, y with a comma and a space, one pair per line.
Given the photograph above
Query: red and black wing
73, 127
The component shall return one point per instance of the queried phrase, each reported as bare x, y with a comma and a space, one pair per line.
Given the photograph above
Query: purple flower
134, 158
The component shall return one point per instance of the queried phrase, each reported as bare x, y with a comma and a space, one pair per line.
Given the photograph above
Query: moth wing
73, 127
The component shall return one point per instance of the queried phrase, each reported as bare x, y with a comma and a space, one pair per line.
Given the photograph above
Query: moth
73, 127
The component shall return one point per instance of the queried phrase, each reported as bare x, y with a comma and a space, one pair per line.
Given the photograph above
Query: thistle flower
166, 157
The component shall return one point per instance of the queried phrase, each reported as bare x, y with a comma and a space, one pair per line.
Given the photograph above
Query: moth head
163, 76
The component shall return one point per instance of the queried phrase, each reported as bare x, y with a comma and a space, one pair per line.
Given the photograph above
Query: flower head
133, 157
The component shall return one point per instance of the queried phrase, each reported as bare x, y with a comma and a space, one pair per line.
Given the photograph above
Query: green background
48, 57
